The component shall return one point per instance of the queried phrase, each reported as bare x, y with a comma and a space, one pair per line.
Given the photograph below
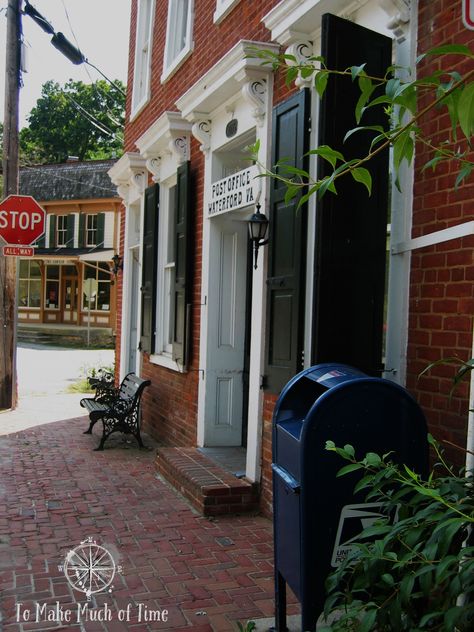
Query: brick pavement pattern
55, 492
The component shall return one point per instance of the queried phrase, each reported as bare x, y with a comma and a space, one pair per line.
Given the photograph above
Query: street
44, 375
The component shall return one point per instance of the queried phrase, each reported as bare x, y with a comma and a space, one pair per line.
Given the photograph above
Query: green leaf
368, 621
447, 49
291, 75
388, 579
328, 153
290, 193
320, 82
403, 149
363, 175
464, 172
375, 128
356, 71
366, 89
466, 110
406, 588
372, 459
352, 467
349, 449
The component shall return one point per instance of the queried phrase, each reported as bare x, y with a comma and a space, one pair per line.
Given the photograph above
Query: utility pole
8, 310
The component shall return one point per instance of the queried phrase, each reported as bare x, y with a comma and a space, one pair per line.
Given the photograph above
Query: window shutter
351, 226
41, 242
82, 231
182, 266
70, 231
149, 264
100, 229
287, 247
52, 231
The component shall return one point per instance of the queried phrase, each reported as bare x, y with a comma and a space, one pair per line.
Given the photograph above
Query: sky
100, 28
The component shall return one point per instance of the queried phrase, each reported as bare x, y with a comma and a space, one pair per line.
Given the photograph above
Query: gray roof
68, 181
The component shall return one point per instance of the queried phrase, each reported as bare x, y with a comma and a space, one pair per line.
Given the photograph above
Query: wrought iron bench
119, 410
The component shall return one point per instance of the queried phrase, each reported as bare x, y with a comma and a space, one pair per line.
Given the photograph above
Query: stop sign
22, 220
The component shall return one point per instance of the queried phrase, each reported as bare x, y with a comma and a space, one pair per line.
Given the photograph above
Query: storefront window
29, 286
52, 287
99, 297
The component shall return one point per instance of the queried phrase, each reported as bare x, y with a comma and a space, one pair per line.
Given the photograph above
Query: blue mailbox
316, 514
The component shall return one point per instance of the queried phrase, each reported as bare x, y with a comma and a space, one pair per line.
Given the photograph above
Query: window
141, 75
61, 230
166, 299
29, 286
166, 271
91, 230
52, 287
223, 8
178, 35
99, 296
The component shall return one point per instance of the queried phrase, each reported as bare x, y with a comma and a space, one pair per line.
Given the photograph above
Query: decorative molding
255, 92
129, 173
400, 11
159, 137
179, 147
224, 80
123, 190
302, 51
153, 164
201, 130
139, 179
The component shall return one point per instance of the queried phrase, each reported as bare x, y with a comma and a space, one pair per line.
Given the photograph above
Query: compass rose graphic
89, 568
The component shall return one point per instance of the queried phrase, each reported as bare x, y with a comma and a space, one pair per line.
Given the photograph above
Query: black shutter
70, 230
100, 229
82, 230
52, 231
41, 242
182, 266
351, 226
287, 247
149, 264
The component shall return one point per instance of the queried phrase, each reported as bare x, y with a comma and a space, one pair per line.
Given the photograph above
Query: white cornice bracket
153, 164
255, 92
201, 130
301, 51
179, 147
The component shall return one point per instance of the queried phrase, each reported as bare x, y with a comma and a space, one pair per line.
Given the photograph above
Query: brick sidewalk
55, 492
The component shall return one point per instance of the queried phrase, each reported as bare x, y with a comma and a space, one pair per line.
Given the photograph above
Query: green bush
414, 574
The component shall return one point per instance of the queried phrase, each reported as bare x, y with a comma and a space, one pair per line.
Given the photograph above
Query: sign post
90, 290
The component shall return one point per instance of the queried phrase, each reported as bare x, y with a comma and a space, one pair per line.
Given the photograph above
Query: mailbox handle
290, 483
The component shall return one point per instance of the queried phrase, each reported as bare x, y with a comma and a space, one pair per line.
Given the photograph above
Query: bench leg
91, 425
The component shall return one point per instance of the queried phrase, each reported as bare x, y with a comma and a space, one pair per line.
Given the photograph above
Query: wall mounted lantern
258, 226
118, 263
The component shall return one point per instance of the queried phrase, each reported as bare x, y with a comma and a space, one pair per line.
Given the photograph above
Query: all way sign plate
18, 251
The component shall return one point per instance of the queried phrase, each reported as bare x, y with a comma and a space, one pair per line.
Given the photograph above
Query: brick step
209, 488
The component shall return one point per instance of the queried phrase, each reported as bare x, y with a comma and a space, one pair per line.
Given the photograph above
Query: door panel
351, 226
227, 334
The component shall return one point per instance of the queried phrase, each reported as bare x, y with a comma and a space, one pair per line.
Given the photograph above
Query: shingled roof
68, 181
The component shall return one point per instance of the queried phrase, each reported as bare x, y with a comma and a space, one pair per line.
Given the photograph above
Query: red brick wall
441, 285
170, 404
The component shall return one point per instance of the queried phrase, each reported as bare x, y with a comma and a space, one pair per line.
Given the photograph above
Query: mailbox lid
331, 374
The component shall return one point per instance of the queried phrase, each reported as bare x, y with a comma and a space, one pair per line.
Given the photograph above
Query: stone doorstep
209, 488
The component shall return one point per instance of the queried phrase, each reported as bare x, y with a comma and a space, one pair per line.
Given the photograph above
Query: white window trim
170, 67
137, 106
223, 8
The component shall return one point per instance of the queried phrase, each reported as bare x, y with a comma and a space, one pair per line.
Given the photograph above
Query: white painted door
226, 340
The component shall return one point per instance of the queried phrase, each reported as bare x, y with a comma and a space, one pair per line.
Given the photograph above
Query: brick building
80, 239
371, 282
